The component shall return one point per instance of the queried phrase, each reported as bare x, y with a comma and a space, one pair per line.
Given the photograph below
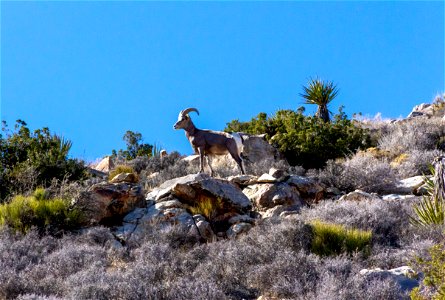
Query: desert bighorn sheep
208, 142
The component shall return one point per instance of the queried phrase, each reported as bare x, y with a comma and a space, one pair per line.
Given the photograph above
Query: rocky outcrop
106, 203
196, 187
210, 208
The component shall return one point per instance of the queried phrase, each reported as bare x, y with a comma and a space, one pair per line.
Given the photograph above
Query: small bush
120, 169
412, 134
360, 171
22, 213
334, 239
434, 272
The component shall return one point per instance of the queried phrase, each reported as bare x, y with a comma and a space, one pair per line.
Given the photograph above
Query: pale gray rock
134, 216
238, 228
405, 276
105, 165
205, 231
258, 152
310, 189
407, 186
124, 177
268, 195
243, 179
278, 210
358, 195
241, 219
267, 178
396, 197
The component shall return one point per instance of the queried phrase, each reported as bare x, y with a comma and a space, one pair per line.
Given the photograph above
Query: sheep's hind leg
210, 165
201, 160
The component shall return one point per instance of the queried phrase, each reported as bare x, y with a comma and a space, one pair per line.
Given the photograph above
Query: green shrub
332, 239
135, 147
433, 269
33, 159
304, 140
22, 213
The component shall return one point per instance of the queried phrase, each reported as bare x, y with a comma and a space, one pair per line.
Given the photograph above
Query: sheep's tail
238, 137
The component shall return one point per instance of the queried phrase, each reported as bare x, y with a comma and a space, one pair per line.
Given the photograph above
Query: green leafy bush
332, 239
434, 272
304, 140
22, 213
33, 159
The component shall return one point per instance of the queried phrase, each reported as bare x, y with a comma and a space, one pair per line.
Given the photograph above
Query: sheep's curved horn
190, 109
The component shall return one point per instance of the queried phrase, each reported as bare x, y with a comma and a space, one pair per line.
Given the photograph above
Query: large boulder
310, 189
157, 216
193, 188
105, 165
107, 203
406, 186
269, 195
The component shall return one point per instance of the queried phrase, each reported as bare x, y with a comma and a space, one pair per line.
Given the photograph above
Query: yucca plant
320, 93
431, 210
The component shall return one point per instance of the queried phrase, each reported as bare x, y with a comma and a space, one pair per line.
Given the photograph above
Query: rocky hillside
152, 228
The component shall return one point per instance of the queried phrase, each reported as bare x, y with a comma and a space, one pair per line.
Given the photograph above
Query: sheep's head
184, 119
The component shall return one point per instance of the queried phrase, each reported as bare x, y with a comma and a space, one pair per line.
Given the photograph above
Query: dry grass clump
330, 239
119, 169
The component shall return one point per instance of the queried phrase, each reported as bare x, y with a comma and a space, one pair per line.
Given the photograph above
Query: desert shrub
388, 220
22, 213
31, 159
155, 170
413, 134
334, 239
415, 162
360, 171
433, 284
306, 141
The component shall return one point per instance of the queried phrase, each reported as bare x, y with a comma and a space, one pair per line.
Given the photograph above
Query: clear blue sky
92, 70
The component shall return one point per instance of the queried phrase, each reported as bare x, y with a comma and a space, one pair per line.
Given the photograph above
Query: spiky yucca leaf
431, 210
